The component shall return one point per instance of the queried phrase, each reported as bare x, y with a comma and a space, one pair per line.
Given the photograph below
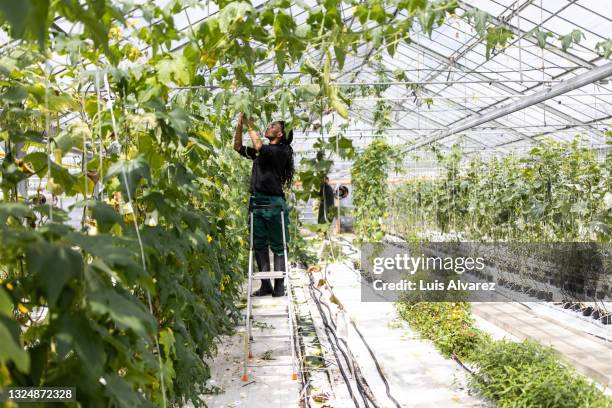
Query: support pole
594, 75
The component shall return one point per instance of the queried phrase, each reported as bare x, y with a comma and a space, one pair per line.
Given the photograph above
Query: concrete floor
270, 383
418, 375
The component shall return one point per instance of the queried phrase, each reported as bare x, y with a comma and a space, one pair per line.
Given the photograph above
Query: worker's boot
279, 284
263, 263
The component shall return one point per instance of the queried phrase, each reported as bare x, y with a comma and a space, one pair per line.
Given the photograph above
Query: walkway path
418, 375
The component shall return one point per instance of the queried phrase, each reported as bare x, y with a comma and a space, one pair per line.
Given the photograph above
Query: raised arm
238, 134
257, 143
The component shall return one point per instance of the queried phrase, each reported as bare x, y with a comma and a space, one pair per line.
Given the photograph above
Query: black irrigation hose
466, 368
360, 378
331, 330
382, 375
298, 349
360, 383
328, 329
379, 369
360, 388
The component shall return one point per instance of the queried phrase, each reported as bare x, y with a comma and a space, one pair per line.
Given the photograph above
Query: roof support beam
594, 75
502, 86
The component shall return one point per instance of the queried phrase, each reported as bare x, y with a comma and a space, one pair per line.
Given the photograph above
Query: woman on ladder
273, 169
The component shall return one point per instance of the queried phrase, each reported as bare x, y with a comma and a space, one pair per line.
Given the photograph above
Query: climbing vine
557, 192
370, 190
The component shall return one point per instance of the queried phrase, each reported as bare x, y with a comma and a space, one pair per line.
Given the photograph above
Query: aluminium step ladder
288, 297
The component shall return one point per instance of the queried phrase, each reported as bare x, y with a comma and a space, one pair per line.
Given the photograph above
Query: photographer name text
427, 286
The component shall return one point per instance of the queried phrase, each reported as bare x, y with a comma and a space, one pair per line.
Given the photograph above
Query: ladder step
279, 314
270, 365
269, 275
269, 336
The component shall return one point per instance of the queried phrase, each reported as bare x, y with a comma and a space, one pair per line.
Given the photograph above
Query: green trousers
267, 226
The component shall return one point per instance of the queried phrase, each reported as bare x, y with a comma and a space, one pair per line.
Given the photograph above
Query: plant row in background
556, 192
512, 374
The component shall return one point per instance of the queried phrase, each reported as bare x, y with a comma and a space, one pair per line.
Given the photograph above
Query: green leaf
242, 102
105, 215
112, 252
280, 56
572, 38
426, 19
179, 120
16, 210
480, 19
497, 36
125, 311
16, 13
62, 176
72, 136
541, 36
6, 303
131, 172
14, 94
39, 22
604, 48
166, 340
413, 6
27, 21
95, 27
11, 349
62, 103
342, 142
75, 329
234, 13
53, 266
38, 161
308, 92
26, 136
340, 52
377, 12
120, 390
173, 69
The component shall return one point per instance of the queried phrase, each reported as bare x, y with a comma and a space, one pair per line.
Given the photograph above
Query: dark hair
287, 138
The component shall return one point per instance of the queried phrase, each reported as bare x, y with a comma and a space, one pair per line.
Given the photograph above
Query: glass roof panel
466, 85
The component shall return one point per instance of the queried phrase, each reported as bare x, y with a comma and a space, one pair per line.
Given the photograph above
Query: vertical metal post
338, 222
289, 299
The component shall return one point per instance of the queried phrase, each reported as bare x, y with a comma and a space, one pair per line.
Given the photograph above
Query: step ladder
288, 297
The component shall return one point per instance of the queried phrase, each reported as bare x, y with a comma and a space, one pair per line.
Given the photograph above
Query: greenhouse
309, 203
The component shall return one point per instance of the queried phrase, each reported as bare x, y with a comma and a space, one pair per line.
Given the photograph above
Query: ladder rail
247, 332
289, 297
